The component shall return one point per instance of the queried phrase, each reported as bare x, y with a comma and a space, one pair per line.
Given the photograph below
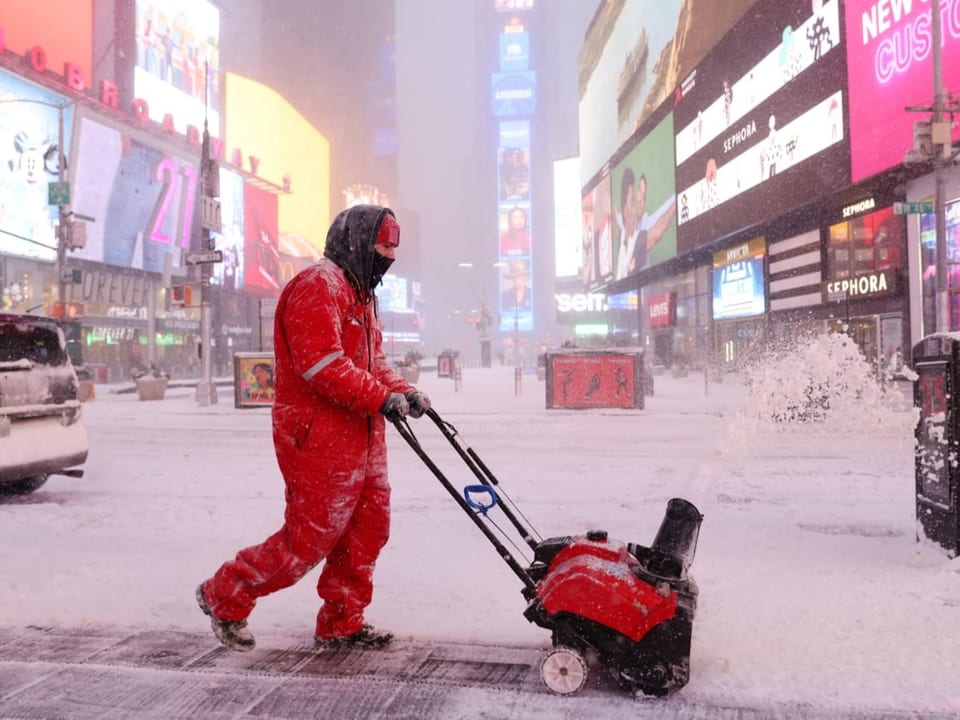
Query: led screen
513, 94
568, 233
178, 61
392, 294
889, 47
514, 51
634, 55
261, 247
142, 199
230, 241
644, 202
738, 281
29, 137
597, 233
760, 121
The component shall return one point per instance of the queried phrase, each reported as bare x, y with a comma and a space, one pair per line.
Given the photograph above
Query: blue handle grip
480, 490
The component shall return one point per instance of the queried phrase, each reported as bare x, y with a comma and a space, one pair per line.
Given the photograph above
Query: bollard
457, 377
517, 379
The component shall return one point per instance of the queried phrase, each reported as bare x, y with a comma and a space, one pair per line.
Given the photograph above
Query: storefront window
866, 244
928, 261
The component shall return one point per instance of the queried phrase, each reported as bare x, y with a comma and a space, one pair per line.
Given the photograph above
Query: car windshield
39, 344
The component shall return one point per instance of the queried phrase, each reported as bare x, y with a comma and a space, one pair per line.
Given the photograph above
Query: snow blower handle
472, 493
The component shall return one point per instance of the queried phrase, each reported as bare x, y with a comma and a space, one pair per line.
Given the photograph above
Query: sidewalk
99, 674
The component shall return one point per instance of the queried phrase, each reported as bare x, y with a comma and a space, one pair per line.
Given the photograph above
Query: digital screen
889, 64
392, 293
631, 61
177, 67
597, 234
143, 200
761, 119
738, 289
644, 202
514, 52
511, 5
230, 241
516, 296
29, 138
567, 231
513, 94
261, 248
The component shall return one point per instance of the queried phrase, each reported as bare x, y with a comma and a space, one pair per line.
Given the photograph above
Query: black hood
350, 242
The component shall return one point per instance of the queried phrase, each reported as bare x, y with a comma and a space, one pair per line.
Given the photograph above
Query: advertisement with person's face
645, 206
516, 297
178, 61
889, 48
230, 241
143, 200
634, 55
760, 121
261, 251
597, 234
29, 155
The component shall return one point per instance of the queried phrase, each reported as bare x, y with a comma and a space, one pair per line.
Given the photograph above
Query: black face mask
381, 263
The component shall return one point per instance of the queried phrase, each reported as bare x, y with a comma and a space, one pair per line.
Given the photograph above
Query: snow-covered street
813, 588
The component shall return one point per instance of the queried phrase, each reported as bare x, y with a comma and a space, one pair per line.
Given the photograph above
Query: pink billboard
890, 66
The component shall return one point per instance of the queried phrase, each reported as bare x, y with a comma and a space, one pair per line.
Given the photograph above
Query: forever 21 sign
111, 288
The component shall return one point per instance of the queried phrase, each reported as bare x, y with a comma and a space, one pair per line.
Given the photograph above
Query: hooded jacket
331, 374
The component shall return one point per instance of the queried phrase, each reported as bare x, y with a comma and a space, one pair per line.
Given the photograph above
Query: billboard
392, 294
63, 28
514, 51
230, 241
513, 94
29, 138
597, 267
889, 68
634, 55
567, 231
142, 198
261, 246
516, 295
291, 152
177, 67
761, 120
645, 205
738, 281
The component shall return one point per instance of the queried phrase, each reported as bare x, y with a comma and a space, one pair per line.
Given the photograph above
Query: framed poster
253, 379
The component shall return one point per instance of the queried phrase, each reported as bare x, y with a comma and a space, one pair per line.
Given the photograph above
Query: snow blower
627, 605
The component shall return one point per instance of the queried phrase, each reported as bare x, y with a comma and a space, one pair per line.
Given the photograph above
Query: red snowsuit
331, 380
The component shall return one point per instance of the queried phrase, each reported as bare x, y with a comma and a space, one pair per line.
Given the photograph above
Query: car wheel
23, 486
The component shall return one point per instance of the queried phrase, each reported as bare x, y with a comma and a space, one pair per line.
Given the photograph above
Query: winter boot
366, 637
233, 634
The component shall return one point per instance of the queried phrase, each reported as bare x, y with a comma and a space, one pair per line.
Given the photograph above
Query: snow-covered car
41, 424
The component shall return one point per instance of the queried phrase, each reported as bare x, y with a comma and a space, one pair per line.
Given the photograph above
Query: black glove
419, 403
395, 405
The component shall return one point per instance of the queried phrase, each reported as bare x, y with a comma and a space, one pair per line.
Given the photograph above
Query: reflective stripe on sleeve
322, 364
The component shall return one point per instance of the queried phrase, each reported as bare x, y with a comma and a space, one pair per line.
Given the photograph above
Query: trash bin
936, 361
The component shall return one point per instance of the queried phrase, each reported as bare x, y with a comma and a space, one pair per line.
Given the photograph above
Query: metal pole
61, 221
206, 389
939, 200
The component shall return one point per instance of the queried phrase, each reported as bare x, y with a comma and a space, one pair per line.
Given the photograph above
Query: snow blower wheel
564, 671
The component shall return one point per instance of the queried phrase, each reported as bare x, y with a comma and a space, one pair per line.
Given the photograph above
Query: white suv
41, 428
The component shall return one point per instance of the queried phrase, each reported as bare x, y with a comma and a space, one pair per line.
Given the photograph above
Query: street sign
210, 214
58, 193
912, 208
199, 258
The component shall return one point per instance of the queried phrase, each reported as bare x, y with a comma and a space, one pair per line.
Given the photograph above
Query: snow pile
823, 379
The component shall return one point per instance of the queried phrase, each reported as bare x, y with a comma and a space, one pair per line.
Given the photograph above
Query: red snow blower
629, 606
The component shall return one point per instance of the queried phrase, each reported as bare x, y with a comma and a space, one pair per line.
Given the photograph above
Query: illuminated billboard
177, 68
392, 294
514, 51
634, 56
291, 152
511, 5
760, 120
513, 94
567, 231
597, 268
645, 206
738, 281
63, 28
889, 68
29, 138
141, 196
261, 246
516, 296
230, 241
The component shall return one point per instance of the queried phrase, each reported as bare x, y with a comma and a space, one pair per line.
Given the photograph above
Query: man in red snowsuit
333, 388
